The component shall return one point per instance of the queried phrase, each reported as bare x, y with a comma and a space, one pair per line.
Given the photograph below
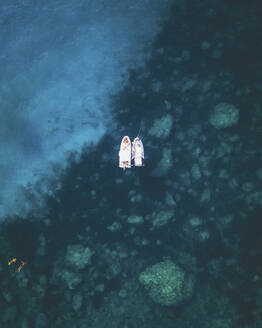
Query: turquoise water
175, 243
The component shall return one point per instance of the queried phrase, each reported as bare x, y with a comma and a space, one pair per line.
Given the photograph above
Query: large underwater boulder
167, 284
224, 115
78, 256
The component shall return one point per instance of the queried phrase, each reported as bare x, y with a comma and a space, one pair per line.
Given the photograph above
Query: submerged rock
77, 301
78, 256
72, 279
167, 283
164, 165
224, 115
161, 218
161, 128
135, 219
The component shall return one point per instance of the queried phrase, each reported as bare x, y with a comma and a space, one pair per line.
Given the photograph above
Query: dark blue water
176, 243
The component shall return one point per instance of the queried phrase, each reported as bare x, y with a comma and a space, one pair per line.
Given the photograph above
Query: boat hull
138, 152
125, 153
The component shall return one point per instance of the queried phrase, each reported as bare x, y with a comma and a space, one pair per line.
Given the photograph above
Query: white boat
138, 152
125, 153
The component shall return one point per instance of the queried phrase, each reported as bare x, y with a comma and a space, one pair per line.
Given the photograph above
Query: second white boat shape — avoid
138, 152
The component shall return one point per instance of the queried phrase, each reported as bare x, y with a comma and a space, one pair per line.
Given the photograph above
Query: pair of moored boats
131, 152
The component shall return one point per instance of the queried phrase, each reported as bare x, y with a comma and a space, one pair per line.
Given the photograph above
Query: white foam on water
59, 64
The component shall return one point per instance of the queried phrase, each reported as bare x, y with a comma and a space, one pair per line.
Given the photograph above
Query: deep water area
174, 243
